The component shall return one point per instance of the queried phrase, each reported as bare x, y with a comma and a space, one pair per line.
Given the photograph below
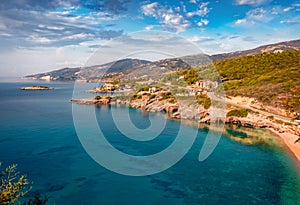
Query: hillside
271, 78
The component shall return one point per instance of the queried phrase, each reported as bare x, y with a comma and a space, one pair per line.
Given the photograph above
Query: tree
15, 186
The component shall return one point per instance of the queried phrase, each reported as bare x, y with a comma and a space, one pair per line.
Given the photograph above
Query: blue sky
37, 36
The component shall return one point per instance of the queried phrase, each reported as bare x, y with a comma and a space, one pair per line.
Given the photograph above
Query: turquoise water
37, 133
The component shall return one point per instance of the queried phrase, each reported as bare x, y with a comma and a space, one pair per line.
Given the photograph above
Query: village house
151, 90
202, 87
110, 87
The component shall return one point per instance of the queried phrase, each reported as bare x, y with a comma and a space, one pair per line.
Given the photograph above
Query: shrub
204, 100
165, 96
13, 185
98, 97
238, 113
136, 97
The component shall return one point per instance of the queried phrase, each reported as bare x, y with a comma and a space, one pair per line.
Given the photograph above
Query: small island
37, 88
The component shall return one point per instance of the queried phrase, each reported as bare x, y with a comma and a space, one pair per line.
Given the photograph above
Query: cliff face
170, 106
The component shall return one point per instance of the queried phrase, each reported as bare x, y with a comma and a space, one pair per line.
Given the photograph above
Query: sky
38, 36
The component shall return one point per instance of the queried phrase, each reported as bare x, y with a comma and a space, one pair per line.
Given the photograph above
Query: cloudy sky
37, 36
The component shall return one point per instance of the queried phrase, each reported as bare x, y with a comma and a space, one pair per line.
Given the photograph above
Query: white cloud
148, 28
287, 9
290, 22
58, 28
203, 22
200, 38
169, 18
37, 39
150, 9
259, 14
252, 2
202, 11
292, 7
82, 36
193, 1
176, 19
255, 16
240, 21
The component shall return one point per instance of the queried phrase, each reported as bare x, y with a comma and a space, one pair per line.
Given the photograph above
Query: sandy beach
289, 140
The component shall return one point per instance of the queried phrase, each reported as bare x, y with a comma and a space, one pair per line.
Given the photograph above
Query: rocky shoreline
288, 132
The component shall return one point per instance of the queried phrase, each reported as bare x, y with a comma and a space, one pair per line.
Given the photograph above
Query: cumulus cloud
169, 18
203, 22
177, 19
150, 9
202, 11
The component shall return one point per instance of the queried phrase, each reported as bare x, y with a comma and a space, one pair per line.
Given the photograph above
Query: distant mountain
135, 67
126, 66
89, 74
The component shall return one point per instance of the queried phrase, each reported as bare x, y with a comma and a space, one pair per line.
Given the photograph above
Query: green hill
272, 78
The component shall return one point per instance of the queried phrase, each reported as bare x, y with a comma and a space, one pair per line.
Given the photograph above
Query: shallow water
37, 133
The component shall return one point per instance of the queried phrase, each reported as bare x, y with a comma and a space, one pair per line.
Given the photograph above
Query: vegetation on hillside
272, 78
167, 96
204, 100
190, 76
238, 113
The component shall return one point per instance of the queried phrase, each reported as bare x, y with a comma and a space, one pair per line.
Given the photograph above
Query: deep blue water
37, 132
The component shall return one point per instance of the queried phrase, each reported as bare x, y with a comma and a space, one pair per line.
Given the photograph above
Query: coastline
253, 120
288, 140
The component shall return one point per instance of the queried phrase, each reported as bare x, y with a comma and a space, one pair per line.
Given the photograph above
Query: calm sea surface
37, 132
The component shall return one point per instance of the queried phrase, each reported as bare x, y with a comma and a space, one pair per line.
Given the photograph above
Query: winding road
268, 114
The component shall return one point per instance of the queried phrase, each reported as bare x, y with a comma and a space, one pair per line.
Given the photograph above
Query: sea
38, 133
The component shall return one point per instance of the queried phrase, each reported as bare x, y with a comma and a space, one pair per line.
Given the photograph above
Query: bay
37, 132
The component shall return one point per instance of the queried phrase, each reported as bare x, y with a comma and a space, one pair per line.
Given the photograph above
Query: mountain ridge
96, 72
